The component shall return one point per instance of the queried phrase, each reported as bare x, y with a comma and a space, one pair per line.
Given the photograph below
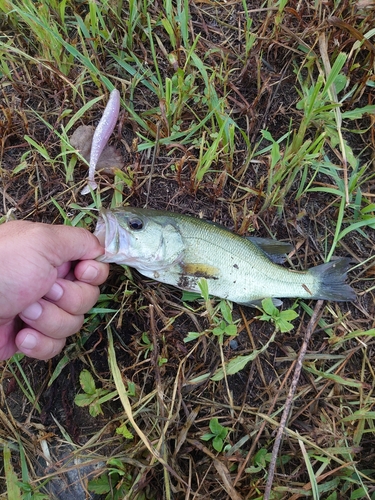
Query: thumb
69, 243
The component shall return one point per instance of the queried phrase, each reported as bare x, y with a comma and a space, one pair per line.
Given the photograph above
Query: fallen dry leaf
365, 4
109, 160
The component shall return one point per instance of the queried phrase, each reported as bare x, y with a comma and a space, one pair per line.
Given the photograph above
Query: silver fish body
179, 250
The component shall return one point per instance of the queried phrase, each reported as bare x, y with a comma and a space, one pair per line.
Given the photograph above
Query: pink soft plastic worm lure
101, 135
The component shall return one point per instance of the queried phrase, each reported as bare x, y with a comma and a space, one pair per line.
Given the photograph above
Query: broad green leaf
217, 443
219, 330
283, 320
253, 469
124, 431
11, 479
83, 399
95, 409
359, 494
87, 382
239, 362
115, 463
260, 457
264, 317
203, 286
192, 336
284, 326
268, 307
226, 311
231, 330
190, 296
100, 485
357, 113
267, 135
131, 389
215, 426
288, 314
235, 365
207, 437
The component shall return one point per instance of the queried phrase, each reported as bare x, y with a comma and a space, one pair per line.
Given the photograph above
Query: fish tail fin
331, 277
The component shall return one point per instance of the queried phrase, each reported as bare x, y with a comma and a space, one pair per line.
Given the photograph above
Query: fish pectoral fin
274, 249
199, 270
258, 303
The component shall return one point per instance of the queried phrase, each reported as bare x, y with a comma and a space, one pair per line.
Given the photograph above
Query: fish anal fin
258, 303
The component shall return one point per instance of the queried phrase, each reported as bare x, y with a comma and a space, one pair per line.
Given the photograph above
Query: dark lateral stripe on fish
200, 270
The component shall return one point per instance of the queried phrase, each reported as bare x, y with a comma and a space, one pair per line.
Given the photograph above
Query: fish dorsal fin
274, 249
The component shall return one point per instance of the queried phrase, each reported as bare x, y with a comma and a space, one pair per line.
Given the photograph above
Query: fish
180, 250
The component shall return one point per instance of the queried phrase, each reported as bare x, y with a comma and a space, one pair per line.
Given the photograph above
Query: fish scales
179, 250
243, 272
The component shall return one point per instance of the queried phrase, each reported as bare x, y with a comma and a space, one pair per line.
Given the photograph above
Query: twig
289, 400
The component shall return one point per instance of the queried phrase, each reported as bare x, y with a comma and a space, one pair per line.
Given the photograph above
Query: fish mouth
100, 231
107, 232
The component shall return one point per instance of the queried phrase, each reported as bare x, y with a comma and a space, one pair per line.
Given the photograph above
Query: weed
22, 380
281, 319
362, 211
93, 396
18, 488
10, 476
145, 344
124, 431
43, 22
217, 435
220, 315
238, 363
115, 483
261, 460
321, 110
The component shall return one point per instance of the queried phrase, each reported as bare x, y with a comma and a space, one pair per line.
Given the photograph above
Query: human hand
48, 281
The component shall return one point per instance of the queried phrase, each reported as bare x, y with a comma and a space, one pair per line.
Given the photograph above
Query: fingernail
89, 274
55, 292
29, 342
32, 312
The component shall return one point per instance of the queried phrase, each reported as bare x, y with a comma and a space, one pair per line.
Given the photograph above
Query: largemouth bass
179, 250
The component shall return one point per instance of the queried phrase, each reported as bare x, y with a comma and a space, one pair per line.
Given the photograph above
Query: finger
72, 243
91, 271
64, 269
36, 345
51, 320
7, 335
74, 297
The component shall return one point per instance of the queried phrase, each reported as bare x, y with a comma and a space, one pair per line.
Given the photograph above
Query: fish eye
136, 224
